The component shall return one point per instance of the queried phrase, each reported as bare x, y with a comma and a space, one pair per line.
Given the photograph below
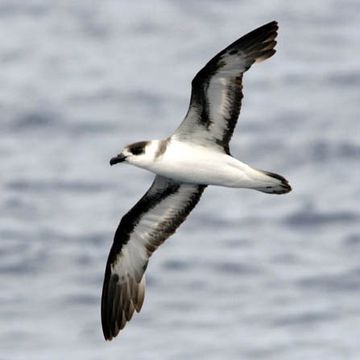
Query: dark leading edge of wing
217, 89
147, 225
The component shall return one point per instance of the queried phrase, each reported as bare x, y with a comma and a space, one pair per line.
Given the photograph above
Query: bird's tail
272, 183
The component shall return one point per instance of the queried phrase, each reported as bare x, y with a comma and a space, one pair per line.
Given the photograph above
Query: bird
196, 155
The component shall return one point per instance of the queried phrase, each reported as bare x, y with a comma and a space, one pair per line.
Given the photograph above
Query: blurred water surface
248, 276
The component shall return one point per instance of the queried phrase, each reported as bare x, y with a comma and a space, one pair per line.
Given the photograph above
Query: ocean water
248, 275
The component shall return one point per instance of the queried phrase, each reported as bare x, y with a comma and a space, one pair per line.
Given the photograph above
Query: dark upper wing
217, 89
146, 226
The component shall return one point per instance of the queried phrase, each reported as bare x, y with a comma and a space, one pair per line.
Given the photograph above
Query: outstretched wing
147, 225
217, 89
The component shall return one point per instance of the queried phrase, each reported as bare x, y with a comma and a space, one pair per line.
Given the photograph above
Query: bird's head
136, 154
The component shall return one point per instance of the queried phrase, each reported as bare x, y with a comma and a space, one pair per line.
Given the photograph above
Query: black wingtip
272, 24
263, 33
258, 45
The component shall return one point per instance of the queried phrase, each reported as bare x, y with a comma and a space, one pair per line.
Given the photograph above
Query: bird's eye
138, 148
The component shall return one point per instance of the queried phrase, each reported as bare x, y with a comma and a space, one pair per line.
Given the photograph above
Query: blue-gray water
249, 275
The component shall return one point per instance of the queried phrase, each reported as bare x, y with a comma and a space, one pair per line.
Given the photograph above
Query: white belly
200, 165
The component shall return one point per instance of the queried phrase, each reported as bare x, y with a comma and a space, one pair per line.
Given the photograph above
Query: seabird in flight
197, 154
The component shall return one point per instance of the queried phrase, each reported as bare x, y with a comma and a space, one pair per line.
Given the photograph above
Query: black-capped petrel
197, 154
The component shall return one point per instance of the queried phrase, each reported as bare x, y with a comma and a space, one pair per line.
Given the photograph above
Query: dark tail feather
277, 184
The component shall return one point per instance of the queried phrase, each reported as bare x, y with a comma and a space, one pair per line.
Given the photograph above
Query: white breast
192, 163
